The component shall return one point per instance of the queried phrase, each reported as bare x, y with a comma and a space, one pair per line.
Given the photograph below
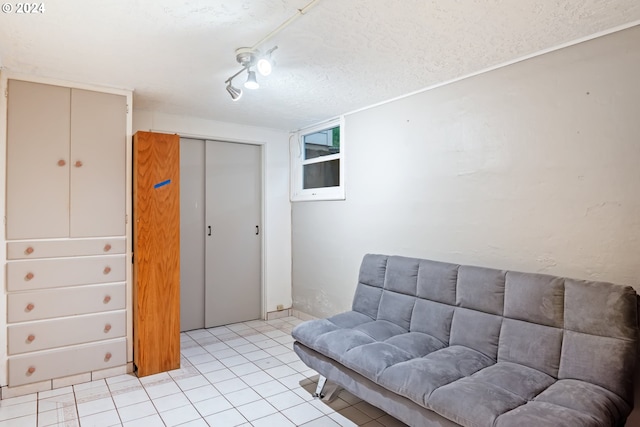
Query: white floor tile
223, 354
302, 413
212, 406
137, 411
269, 388
285, 400
293, 381
57, 416
242, 397
205, 368
95, 406
321, 422
219, 376
244, 369
233, 361
277, 350
171, 401
179, 415
236, 342
256, 378
256, 355
258, 409
280, 371
26, 421
101, 419
192, 382
228, 418
246, 348
273, 420
269, 362
229, 386
153, 420
201, 393
163, 389
130, 398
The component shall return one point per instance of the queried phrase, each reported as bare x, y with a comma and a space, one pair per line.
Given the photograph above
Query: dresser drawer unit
65, 248
44, 365
61, 272
48, 334
27, 306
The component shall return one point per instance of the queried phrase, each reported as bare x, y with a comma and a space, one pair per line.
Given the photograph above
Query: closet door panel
37, 160
233, 250
98, 164
192, 234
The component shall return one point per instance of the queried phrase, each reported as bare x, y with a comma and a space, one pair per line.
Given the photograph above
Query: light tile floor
245, 374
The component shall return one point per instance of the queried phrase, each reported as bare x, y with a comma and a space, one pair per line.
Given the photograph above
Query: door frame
263, 166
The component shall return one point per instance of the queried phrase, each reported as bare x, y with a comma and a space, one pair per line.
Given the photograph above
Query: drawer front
61, 272
47, 334
65, 248
36, 305
62, 362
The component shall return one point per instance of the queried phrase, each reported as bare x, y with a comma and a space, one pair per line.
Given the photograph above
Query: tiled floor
242, 374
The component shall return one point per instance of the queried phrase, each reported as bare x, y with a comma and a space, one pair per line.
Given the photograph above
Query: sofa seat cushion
309, 332
482, 397
543, 414
380, 330
606, 407
417, 378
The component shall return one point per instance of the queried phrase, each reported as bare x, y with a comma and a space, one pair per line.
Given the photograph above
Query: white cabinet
66, 167
66, 230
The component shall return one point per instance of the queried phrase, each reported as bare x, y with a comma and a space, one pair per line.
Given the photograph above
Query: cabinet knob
107, 247
29, 276
107, 270
61, 162
29, 250
106, 299
31, 370
78, 164
107, 327
31, 337
107, 357
30, 307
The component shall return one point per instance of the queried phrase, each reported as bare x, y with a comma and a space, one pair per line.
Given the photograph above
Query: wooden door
37, 160
98, 164
233, 275
156, 240
192, 234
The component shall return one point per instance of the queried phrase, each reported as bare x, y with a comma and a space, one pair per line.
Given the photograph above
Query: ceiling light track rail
249, 57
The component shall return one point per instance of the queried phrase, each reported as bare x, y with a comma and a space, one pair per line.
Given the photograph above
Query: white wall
277, 208
532, 167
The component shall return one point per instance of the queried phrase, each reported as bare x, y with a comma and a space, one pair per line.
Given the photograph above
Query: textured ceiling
342, 55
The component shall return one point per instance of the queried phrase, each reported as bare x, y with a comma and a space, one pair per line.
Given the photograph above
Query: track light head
234, 92
251, 82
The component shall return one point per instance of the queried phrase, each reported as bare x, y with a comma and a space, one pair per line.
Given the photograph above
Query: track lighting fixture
249, 57
234, 92
251, 82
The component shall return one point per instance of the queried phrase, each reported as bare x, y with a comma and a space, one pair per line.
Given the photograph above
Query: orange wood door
156, 240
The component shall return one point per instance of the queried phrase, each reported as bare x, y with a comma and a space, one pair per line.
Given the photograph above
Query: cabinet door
37, 160
156, 238
98, 164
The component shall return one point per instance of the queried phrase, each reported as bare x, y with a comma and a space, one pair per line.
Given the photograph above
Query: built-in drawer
61, 272
45, 365
65, 248
35, 305
53, 333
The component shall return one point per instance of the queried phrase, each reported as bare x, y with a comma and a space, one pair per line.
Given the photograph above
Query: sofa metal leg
321, 382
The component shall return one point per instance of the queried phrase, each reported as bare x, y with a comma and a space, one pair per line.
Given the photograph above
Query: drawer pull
29, 276
28, 251
61, 162
107, 357
31, 337
106, 270
106, 299
78, 164
31, 370
107, 328
30, 307
107, 247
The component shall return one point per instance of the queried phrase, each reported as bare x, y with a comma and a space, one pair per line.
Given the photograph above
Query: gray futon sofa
437, 344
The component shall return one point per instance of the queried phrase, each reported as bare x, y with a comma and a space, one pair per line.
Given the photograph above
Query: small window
317, 163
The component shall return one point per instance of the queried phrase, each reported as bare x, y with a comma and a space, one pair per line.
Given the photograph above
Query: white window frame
297, 163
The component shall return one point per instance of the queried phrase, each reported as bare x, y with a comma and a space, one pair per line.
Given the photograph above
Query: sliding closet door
234, 233
192, 234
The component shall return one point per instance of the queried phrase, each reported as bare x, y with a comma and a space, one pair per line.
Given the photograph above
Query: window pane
322, 143
323, 174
